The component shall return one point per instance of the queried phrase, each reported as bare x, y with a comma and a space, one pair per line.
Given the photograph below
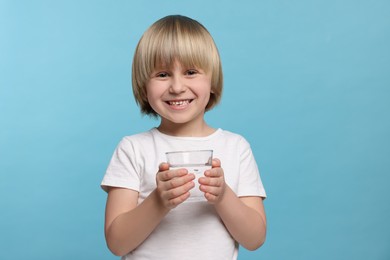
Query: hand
173, 185
213, 184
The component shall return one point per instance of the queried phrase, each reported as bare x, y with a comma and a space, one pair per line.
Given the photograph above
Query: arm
243, 217
127, 224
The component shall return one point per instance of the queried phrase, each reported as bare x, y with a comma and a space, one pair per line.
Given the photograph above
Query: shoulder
225, 141
137, 137
233, 137
136, 141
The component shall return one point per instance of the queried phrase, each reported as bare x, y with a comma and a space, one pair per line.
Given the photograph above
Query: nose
177, 85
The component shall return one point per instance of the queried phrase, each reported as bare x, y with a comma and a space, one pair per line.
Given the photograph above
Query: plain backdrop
306, 82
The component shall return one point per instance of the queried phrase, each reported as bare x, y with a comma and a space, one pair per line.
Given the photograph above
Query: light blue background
306, 82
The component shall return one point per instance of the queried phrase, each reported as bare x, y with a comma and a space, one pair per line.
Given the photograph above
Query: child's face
178, 94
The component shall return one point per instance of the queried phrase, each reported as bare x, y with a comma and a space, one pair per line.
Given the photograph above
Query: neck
185, 130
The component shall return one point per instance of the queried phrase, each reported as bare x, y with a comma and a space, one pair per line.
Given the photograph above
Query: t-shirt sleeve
122, 171
250, 183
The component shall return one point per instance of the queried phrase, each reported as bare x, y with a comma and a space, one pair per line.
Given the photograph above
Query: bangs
185, 43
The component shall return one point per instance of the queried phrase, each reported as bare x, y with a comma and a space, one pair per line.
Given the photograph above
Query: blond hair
172, 38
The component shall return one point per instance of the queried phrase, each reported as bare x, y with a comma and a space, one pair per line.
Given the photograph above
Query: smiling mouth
179, 102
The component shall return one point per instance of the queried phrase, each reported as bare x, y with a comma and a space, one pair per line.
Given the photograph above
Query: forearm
131, 228
246, 225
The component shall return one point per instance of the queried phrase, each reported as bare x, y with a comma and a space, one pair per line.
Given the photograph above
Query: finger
179, 181
176, 201
216, 163
203, 181
163, 167
214, 190
177, 192
170, 174
175, 186
210, 197
215, 182
214, 172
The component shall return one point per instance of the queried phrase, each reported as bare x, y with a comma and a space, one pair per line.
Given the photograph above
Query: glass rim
190, 151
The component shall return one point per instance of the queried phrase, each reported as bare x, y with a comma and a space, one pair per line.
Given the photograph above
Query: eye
191, 72
162, 75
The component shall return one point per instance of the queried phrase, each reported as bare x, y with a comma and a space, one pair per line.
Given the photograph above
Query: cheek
150, 90
153, 95
207, 89
151, 98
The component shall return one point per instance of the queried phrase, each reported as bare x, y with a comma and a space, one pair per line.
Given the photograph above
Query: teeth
179, 103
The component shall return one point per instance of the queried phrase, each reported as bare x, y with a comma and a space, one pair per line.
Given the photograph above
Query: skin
192, 86
179, 95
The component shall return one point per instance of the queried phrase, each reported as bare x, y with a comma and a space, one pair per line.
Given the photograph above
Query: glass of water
196, 162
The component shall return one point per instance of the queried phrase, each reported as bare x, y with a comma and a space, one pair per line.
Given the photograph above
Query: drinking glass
196, 162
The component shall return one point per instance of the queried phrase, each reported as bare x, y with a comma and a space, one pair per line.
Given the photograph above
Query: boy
177, 76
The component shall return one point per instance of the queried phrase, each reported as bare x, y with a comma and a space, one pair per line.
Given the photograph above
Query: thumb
163, 167
216, 163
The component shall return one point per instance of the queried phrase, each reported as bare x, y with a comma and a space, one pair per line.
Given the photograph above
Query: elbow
253, 245
258, 240
116, 248
116, 253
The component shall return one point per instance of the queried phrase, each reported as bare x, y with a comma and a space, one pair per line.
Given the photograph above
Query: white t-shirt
192, 230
